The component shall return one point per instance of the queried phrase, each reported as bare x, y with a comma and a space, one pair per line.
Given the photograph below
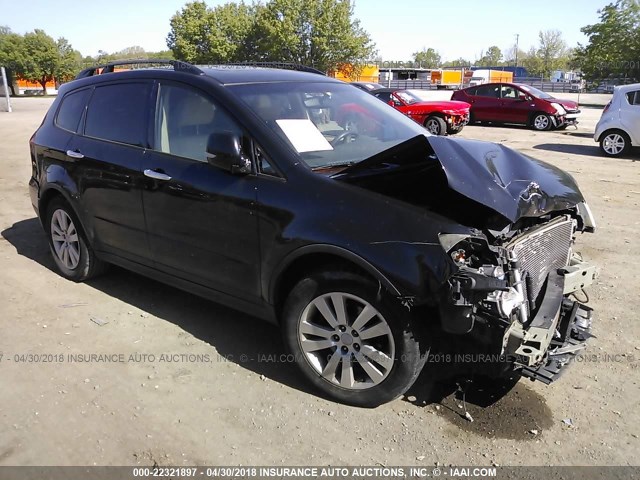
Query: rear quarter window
634, 97
71, 110
119, 113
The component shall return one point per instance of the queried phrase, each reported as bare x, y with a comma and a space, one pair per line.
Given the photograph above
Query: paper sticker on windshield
304, 135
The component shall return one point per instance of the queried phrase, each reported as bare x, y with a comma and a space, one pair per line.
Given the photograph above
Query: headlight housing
559, 109
465, 249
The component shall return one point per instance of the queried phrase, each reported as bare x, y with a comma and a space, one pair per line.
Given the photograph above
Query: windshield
328, 124
534, 91
407, 97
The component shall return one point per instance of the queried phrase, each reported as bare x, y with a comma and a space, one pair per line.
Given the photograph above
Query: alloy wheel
346, 340
614, 144
541, 122
433, 126
64, 237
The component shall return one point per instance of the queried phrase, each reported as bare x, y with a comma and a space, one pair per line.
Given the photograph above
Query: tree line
551, 53
323, 34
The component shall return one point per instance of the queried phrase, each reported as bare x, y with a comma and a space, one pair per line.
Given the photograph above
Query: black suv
366, 243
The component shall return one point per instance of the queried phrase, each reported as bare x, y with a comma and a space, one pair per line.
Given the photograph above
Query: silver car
619, 127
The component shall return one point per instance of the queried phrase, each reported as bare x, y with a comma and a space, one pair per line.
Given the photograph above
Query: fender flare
332, 250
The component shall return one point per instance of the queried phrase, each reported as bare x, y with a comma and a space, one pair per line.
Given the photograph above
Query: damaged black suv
307, 202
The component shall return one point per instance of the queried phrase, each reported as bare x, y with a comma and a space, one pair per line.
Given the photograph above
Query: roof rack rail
278, 65
109, 67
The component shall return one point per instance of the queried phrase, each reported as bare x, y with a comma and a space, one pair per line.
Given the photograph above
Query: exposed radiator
541, 250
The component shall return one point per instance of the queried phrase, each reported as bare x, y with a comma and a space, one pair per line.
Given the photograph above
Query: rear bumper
34, 190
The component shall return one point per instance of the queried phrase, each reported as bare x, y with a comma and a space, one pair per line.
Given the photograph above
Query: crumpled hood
508, 182
511, 183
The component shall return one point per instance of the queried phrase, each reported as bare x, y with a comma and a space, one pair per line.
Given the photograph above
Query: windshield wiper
331, 166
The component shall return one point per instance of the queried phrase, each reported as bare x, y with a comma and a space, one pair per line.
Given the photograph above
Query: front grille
541, 251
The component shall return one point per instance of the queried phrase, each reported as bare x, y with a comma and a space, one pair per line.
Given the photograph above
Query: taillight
606, 107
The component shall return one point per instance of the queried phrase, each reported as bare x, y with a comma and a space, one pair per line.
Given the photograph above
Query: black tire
435, 125
541, 122
87, 265
453, 131
614, 143
562, 127
409, 353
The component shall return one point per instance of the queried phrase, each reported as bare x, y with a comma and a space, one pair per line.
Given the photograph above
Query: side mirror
224, 152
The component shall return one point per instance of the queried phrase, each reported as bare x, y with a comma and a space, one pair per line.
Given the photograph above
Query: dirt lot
221, 395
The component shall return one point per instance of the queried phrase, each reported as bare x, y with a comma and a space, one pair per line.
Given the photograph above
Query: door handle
156, 175
74, 154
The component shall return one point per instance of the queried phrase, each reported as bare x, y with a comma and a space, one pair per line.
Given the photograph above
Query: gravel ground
201, 384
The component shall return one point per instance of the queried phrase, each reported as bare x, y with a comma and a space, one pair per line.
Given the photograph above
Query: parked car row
509, 103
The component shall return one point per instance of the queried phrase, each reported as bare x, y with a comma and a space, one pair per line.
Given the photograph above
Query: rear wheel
541, 122
353, 343
435, 125
71, 251
615, 143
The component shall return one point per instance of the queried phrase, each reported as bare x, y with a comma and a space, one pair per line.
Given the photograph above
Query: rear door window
71, 110
119, 113
491, 91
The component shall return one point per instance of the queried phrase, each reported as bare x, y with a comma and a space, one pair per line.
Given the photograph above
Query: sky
460, 28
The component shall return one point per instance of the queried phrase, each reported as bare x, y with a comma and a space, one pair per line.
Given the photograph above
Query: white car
619, 126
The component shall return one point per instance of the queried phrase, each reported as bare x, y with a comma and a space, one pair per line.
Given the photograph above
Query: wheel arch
612, 130
311, 257
51, 193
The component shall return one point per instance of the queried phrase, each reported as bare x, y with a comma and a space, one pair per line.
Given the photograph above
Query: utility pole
517, 41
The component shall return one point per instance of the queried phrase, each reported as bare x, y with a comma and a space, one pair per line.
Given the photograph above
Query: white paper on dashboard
304, 135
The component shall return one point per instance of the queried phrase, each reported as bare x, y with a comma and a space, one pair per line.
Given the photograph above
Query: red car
439, 117
516, 103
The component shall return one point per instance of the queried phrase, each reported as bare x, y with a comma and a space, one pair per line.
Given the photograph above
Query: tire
435, 125
541, 122
562, 127
614, 143
453, 131
331, 350
71, 252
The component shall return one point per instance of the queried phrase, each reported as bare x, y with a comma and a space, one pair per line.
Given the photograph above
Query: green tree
69, 61
492, 57
532, 62
222, 34
319, 33
614, 42
41, 58
552, 51
427, 58
460, 62
11, 53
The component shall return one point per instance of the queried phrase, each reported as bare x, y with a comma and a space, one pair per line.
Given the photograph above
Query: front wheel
541, 122
435, 125
351, 341
615, 143
71, 251
453, 131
